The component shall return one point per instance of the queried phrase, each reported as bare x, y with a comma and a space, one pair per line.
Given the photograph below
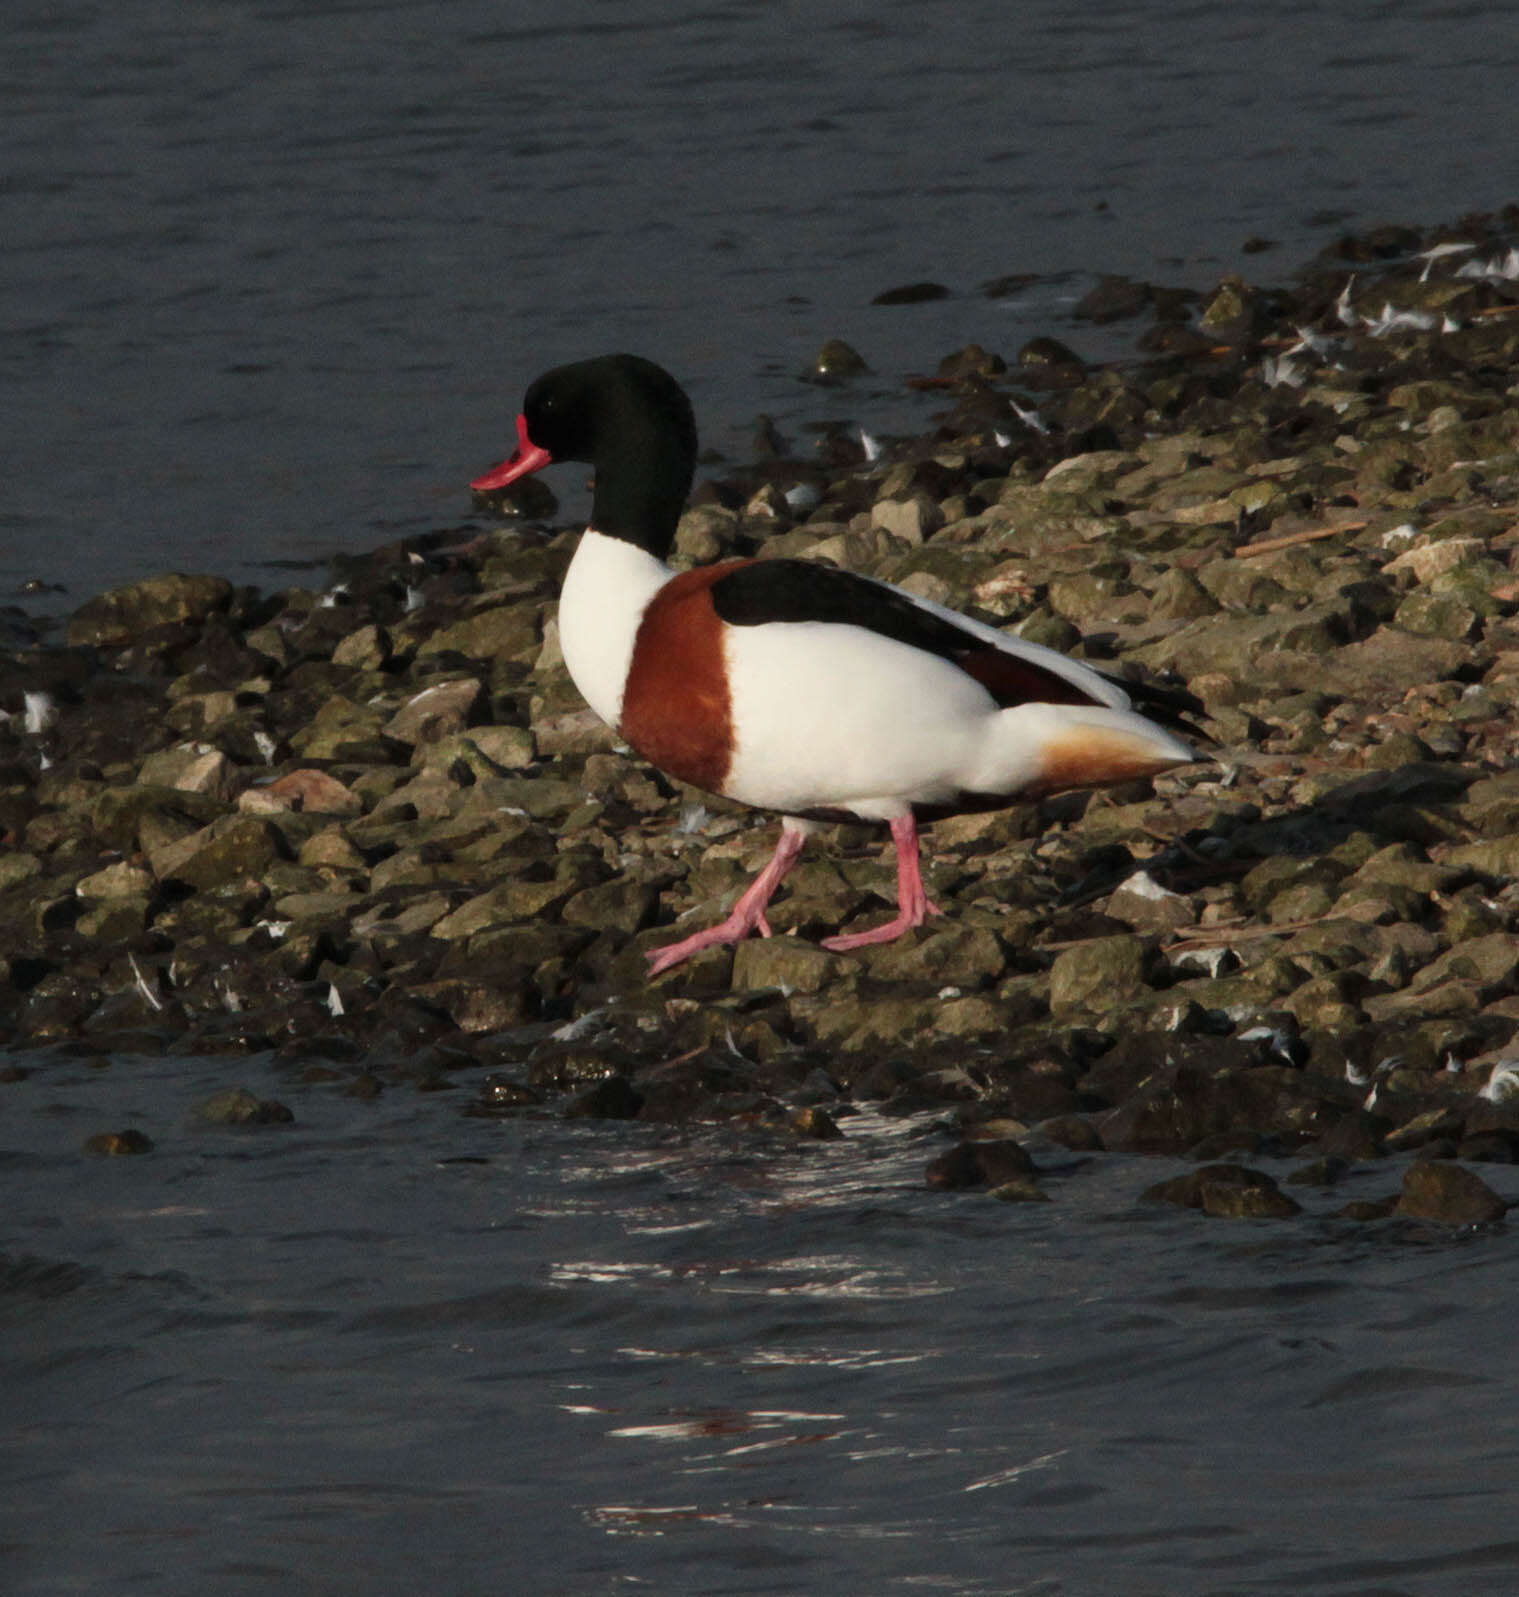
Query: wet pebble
118, 1144
236, 1106
1226, 1192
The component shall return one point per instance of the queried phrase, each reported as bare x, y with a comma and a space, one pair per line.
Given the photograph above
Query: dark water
393, 1350
274, 275
273, 279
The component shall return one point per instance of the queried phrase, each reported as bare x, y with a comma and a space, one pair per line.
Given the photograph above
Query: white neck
607, 588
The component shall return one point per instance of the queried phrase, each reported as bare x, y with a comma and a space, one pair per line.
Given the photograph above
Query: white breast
606, 590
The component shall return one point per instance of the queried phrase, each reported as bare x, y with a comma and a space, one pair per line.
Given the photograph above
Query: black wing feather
806, 590
803, 590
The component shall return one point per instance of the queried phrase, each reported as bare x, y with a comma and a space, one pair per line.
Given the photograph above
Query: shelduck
790, 685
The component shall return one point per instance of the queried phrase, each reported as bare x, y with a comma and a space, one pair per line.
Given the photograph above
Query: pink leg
913, 904
748, 913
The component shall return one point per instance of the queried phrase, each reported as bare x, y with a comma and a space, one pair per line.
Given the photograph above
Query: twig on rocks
1287, 540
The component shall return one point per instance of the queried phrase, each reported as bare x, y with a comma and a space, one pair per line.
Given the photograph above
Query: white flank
829, 715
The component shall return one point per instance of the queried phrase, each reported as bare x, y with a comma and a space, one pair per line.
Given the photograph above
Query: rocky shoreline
372, 829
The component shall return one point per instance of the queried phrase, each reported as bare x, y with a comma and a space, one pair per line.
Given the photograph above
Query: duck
794, 687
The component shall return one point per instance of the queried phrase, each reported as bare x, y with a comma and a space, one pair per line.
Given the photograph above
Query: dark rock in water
1111, 300
1021, 1189
911, 294
118, 1144
955, 1168
1358, 1134
1323, 1172
815, 1123
612, 1099
1448, 1193
972, 361
1187, 1104
1174, 338
835, 362
1242, 1140
236, 1106
1047, 351
700, 1085
768, 442
570, 1066
1227, 1192
1379, 243
128, 614
1233, 314
1490, 1147
501, 1096
980, 1164
1075, 1132
528, 497
59, 1003
1011, 283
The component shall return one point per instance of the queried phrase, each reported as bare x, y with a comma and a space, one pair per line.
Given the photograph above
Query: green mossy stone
1097, 977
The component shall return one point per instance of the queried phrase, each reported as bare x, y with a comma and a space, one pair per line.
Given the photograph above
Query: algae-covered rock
237, 1106
118, 1144
125, 614
1087, 982
1227, 1192
981, 1162
483, 750
1185, 1104
1494, 857
146, 816
238, 849
1436, 615
785, 962
475, 1006
121, 880
192, 770
437, 712
1448, 1193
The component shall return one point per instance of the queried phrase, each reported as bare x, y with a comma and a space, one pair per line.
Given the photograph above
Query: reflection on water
393, 1348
